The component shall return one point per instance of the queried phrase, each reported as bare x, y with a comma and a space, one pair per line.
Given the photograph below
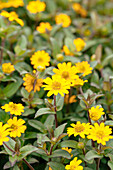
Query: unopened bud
59, 57
81, 145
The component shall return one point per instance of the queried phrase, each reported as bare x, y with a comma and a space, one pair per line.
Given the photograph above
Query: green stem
56, 123
1, 53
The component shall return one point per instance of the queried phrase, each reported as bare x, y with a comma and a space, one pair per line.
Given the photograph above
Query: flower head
81, 129
11, 3
13, 108
76, 7
83, 67
36, 6
95, 113
63, 19
32, 83
74, 165
12, 16
4, 132
7, 68
56, 85
100, 133
79, 43
67, 51
44, 27
67, 72
16, 127
79, 82
40, 59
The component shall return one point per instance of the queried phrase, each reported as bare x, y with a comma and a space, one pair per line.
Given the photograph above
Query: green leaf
24, 92
109, 122
49, 121
11, 144
43, 111
28, 111
55, 47
72, 59
60, 153
26, 150
4, 116
59, 130
30, 135
37, 125
12, 88
69, 143
107, 60
51, 6
59, 102
110, 164
37, 101
22, 42
69, 43
92, 154
56, 166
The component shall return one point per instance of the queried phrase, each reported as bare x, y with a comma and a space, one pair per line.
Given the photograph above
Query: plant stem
55, 111
1, 53
30, 167
97, 164
22, 159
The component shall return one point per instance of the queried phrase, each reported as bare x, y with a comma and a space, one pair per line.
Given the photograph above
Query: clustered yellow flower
32, 82
56, 85
63, 19
95, 113
84, 68
13, 108
44, 27
100, 133
80, 129
74, 165
8, 68
36, 6
79, 44
16, 127
4, 132
12, 16
65, 77
40, 59
11, 3
79, 9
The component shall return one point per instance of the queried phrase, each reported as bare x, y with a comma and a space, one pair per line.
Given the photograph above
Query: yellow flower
36, 6
100, 133
7, 68
79, 43
68, 150
15, 3
56, 85
32, 83
95, 113
76, 7
40, 59
81, 129
44, 27
79, 82
12, 16
11, 3
74, 165
16, 127
67, 51
69, 100
63, 19
83, 12
13, 108
50, 168
83, 67
4, 132
67, 72
79, 9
